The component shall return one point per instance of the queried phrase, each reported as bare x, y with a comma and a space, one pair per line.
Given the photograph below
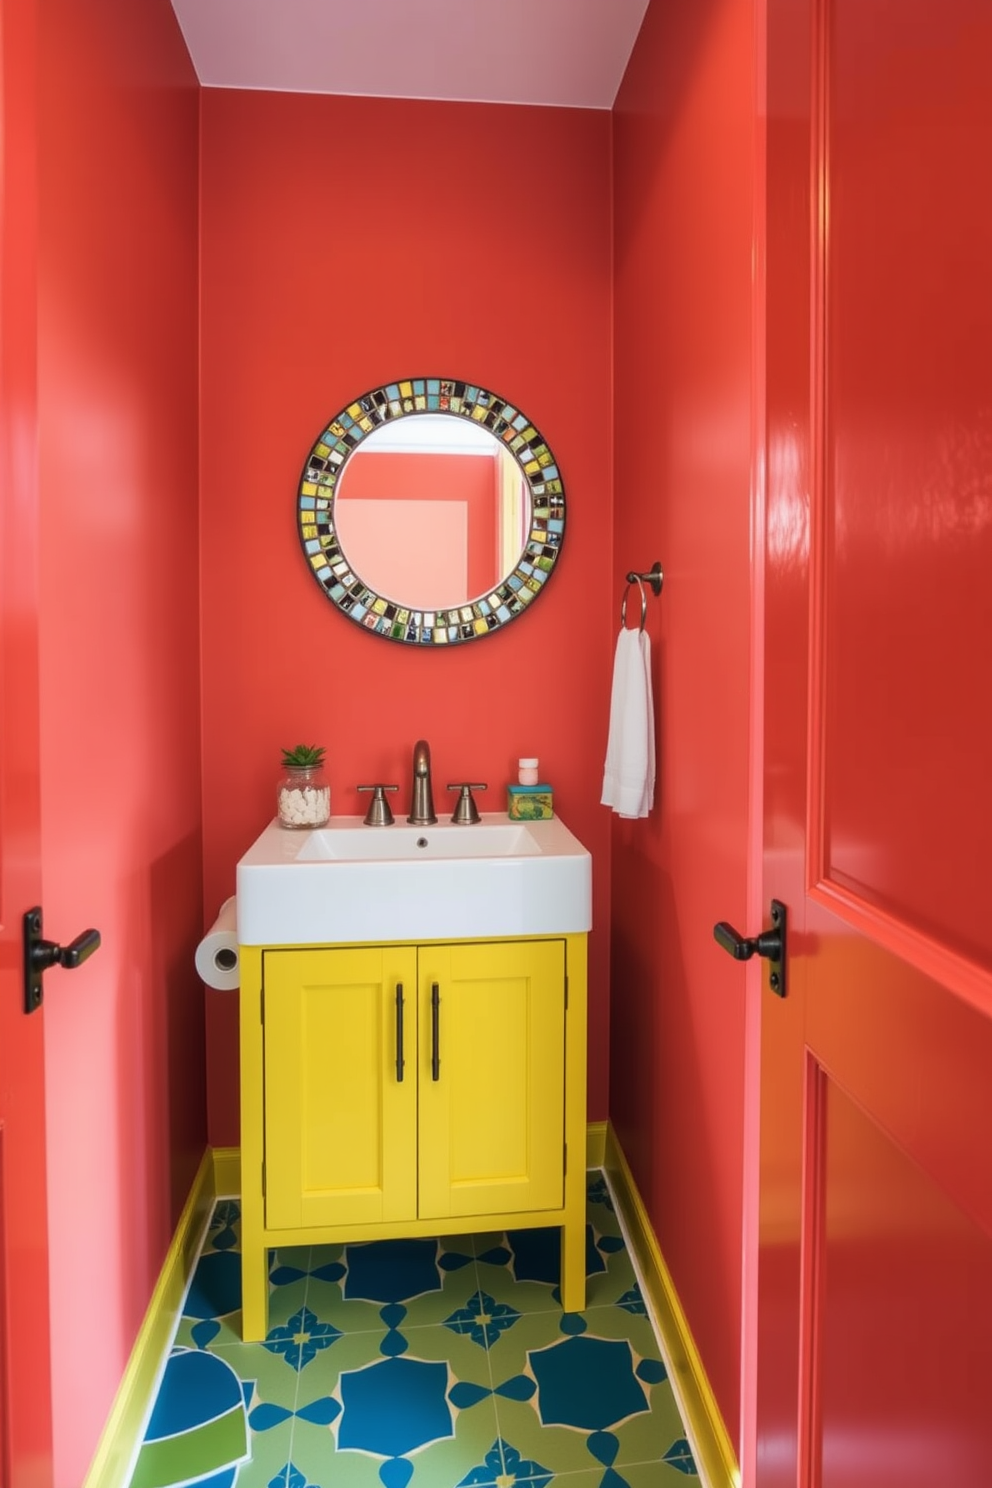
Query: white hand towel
628, 778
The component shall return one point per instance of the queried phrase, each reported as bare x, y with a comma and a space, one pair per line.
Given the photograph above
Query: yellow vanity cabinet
400, 1090
340, 1115
491, 1068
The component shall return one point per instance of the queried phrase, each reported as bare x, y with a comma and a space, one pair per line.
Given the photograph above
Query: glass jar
527, 771
303, 797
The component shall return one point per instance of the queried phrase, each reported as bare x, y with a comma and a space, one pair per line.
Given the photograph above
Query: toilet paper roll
217, 954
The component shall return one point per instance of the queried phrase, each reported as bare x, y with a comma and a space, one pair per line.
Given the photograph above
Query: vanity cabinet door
340, 1114
492, 1082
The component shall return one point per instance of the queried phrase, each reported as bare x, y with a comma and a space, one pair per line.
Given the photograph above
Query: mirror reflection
431, 511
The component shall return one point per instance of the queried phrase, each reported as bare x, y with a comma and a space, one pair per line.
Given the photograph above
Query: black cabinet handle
400, 1061
435, 1031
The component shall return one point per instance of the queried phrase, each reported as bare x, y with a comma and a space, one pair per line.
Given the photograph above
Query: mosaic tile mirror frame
501, 555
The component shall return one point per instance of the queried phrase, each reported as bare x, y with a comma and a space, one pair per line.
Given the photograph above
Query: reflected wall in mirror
431, 511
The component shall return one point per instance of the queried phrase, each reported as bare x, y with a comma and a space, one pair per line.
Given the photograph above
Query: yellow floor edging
118, 1446
708, 1437
227, 1172
595, 1144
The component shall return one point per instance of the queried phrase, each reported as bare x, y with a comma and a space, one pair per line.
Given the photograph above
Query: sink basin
499, 839
348, 883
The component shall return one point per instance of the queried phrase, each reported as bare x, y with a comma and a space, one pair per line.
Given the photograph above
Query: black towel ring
655, 578
633, 579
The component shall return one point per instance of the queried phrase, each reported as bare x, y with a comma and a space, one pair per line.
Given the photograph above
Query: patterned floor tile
418, 1282
508, 1351
199, 1424
212, 1309
270, 1372
423, 1364
528, 1264
410, 1405
582, 1397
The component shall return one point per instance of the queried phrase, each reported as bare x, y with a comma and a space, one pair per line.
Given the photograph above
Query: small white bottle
527, 771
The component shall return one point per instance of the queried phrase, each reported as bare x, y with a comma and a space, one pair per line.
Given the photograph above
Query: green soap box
530, 802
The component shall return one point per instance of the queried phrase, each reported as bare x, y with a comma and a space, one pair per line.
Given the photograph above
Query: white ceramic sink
347, 882
499, 839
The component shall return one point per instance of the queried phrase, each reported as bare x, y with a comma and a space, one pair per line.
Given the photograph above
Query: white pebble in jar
304, 806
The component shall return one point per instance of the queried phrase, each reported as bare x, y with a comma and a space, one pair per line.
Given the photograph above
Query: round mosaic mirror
431, 511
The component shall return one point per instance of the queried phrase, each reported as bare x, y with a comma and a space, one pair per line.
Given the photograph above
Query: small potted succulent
304, 796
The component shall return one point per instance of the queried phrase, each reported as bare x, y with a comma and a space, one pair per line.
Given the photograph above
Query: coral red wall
117, 369
684, 176
346, 242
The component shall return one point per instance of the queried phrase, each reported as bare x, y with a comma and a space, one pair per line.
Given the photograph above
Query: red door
873, 1336
25, 1404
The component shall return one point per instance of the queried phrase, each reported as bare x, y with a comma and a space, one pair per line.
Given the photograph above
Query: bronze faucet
422, 809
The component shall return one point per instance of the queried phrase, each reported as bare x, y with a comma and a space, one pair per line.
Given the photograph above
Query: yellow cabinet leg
573, 1267
254, 1295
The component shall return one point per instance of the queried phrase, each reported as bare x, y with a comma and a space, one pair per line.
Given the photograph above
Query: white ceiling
570, 53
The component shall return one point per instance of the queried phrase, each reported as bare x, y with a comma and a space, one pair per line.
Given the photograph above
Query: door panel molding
966, 978
886, 1230
857, 892
811, 1254
818, 584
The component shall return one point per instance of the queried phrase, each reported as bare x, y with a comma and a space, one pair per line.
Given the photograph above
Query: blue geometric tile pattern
441, 1363
394, 1406
588, 1383
504, 1464
392, 1270
301, 1339
483, 1319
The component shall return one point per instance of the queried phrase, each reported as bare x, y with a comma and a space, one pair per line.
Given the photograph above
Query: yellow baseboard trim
596, 1144
118, 1446
708, 1436
227, 1172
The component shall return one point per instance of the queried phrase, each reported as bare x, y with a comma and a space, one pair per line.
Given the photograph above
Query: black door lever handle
769, 944
40, 954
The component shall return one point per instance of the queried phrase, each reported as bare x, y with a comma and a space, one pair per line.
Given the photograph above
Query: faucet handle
466, 811
378, 814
